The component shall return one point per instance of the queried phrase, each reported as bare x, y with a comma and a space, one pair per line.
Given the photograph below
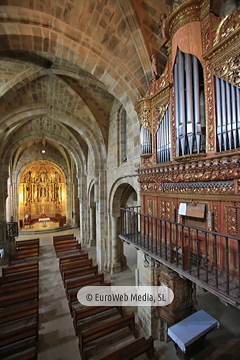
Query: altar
44, 220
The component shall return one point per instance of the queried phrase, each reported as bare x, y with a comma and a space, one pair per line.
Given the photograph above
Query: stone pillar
92, 223
116, 261
146, 316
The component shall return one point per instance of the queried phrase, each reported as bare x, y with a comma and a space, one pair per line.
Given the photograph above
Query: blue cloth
192, 328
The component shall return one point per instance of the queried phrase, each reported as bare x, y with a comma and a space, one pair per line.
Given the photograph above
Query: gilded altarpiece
42, 190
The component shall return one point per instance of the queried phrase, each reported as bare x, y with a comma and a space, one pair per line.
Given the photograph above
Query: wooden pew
83, 313
24, 275
75, 265
78, 283
72, 258
97, 332
9, 338
62, 236
96, 280
19, 286
22, 352
132, 350
18, 313
18, 297
18, 268
68, 253
29, 241
21, 254
73, 244
79, 272
65, 242
63, 248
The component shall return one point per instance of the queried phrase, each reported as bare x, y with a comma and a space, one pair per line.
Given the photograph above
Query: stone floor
57, 340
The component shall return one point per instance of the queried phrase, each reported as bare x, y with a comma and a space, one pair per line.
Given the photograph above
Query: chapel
120, 145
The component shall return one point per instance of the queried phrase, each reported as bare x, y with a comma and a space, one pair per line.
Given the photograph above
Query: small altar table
44, 220
188, 334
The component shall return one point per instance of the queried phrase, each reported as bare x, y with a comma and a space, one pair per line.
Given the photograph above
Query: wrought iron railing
11, 230
210, 259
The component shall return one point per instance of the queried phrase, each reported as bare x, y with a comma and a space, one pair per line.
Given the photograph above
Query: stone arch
119, 195
122, 187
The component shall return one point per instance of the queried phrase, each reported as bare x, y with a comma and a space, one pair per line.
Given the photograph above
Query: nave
57, 338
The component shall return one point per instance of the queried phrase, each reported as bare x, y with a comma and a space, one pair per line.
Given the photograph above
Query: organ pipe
227, 115
196, 92
181, 101
189, 98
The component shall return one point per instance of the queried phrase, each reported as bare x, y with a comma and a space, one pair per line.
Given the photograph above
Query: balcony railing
209, 259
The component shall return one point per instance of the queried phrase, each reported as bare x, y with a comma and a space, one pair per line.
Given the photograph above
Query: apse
42, 191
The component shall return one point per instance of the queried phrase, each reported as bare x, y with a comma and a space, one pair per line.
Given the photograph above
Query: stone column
92, 218
116, 262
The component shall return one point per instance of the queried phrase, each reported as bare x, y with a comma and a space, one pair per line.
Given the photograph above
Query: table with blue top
188, 334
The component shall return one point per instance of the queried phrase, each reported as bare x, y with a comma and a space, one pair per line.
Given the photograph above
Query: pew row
79, 272
72, 258
85, 337
133, 350
19, 268
75, 265
83, 313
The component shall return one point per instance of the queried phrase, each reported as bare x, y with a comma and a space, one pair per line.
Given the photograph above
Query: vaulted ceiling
64, 63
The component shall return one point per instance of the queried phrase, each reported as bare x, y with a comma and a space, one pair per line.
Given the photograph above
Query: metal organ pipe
146, 141
218, 112
223, 102
189, 101
234, 124
228, 115
196, 94
176, 106
238, 113
181, 100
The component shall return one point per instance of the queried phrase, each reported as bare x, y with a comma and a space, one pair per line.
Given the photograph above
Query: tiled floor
57, 340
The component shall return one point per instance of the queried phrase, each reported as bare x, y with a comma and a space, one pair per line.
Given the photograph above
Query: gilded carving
229, 70
216, 220
230, 221
143, 109
164, 212
228, 25
209, 98
160, 111
42, 189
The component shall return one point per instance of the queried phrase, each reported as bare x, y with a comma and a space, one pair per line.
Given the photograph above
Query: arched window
122, 135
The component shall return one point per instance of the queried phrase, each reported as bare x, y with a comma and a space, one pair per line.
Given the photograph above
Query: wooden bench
97, 332
69, 253
132, 350
18, 297
75, 265
63, 236
72, 294
27, 242
9, 338
72, 258
78, 283
65, 241
79, 272
7, 279
21, 254
18, 268
61, 248
22, 352
18, 313
19, 286
83, 313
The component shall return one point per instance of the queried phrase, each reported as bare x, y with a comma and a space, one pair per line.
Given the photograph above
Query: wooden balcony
207, 258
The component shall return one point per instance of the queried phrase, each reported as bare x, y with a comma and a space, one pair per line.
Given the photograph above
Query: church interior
120, 166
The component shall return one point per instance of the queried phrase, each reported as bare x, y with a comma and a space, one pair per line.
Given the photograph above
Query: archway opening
42, 195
